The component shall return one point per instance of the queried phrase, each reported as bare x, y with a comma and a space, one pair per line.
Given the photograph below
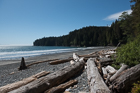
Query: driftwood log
105, 61
76, 57
96, 82
104, 72
42, 84
61, 88
111, 70
123, 67
10, 87
40, 62
60, 61
88, 56
125, 81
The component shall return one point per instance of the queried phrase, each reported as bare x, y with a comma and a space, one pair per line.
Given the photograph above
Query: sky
24, 21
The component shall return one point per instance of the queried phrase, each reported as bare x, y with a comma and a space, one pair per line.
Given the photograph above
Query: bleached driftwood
10, 87
123, 67
96, 82
60, 61
125, 81
110, 70
104, 72
42, 84
72, 62
76, 57
61, 88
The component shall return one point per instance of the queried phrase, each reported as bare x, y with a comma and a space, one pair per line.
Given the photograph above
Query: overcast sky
23, 21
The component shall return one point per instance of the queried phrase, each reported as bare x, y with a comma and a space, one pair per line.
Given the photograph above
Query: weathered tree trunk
104, 72
88, 56
92, 53
76, 57
41, 74
123, 67
110, 70
40, 62
60, 61
105, 61
124, 82
22, 65
107, 79
96, 82
10, 87
42, 84
61, 88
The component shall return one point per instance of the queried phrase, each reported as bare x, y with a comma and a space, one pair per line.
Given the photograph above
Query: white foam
19, 54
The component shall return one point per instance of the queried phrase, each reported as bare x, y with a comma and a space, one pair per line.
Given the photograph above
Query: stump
22, 65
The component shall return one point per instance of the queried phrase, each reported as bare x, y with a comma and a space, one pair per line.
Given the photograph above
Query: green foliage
136, 17
125, 24
116, 66
136, 88
129, 53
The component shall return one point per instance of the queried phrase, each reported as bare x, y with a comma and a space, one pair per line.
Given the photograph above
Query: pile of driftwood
102, 77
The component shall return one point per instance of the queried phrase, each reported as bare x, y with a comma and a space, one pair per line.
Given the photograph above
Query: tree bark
123, 67
10, 87
96, 82
42, 84
125, 81
61, 88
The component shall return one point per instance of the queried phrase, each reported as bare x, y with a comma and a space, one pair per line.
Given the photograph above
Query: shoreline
50, 56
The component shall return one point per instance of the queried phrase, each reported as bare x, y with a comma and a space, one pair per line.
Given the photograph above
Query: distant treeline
87, 36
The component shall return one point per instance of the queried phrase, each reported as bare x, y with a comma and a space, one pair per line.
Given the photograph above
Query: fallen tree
10, 87
111, 70
61, 88
40, 62
96, 82
123, 67
60, 61
124, 82
51, 80
105, 61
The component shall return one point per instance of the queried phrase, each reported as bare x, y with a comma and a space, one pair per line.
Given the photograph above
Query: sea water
15, 52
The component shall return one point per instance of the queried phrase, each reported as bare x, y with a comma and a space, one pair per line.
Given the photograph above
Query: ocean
16, 52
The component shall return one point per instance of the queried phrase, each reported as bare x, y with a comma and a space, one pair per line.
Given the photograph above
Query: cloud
116, 15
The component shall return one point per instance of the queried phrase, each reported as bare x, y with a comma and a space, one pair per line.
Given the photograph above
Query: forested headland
125, 29
87, 36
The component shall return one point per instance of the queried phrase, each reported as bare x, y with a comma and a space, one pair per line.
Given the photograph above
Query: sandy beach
9, 68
